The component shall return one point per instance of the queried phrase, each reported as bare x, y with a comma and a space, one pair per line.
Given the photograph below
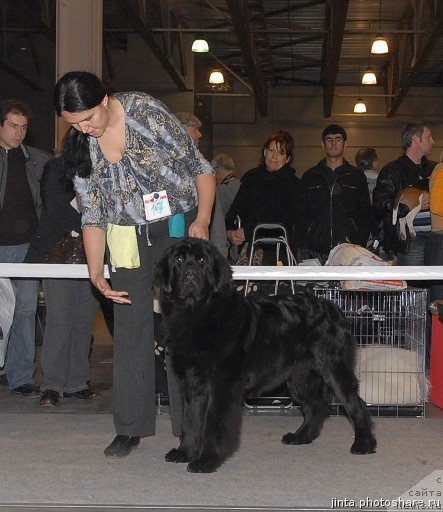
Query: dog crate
390, 330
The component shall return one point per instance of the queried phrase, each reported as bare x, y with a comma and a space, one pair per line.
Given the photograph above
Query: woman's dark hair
74, 92
77, 91
75, 152
284, 140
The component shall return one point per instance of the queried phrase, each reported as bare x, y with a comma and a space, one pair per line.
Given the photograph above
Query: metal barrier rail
262, 273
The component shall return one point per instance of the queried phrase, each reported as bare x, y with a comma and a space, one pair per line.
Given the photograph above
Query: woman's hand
237, 236
94, 242
103, 286
199, 229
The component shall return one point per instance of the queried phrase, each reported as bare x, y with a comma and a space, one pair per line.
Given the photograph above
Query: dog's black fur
224, 344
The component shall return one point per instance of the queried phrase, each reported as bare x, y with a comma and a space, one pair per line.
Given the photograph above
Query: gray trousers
71, 305
134, 406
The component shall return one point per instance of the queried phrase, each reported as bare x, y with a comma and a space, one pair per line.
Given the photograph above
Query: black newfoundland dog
224, 345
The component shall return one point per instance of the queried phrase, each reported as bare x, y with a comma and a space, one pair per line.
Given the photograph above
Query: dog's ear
162, 272
221, 269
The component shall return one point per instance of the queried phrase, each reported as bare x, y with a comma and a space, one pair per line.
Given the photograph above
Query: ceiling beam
293, 42
336, 15
293, 80
31, 18
16, 74
418, 62
388, 68
294, 8
145, 31
240, 19
297, 67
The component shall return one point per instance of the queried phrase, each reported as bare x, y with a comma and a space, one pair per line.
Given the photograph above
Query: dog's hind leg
310, 391
344, 384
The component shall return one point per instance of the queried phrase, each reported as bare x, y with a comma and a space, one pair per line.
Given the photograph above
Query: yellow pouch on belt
123, 248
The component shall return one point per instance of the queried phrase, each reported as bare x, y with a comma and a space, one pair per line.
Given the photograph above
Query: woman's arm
205, 184
94, 240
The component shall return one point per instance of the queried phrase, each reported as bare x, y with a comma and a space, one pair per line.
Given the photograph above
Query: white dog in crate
390, 376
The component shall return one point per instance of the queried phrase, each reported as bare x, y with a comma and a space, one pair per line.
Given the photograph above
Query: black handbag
69, 249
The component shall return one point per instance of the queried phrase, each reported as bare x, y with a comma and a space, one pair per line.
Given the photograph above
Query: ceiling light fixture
200, 45
216, 77
359, 107
22, 44
369, 77
380, 45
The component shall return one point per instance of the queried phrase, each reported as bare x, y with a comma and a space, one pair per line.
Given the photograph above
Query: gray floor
53, 460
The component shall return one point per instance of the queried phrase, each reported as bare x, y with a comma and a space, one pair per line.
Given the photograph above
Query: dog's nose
191, 274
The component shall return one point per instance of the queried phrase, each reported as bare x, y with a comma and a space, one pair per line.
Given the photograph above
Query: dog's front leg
220, 427
192, 412
206, 458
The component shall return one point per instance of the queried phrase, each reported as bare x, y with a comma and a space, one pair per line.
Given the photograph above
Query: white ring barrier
258, 273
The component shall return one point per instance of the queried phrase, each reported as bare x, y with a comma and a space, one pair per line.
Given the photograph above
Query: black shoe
84, 394
122, 446
50, 398
27, 391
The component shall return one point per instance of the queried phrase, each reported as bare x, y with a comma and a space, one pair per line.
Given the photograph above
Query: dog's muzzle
190, 283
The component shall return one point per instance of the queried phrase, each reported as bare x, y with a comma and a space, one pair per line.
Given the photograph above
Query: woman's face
275, 157
93, 121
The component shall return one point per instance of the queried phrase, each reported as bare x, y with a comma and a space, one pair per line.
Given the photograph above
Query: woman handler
140, 181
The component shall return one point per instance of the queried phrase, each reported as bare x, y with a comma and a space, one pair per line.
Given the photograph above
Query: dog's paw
364, 446
175, 455
207, 464
291, 438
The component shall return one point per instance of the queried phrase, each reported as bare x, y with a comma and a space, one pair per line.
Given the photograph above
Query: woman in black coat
71, 304
270, 193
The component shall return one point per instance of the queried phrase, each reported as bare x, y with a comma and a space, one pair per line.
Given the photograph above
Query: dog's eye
180, 259
201, 261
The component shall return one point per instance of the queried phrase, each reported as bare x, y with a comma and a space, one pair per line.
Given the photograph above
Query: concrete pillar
79, 43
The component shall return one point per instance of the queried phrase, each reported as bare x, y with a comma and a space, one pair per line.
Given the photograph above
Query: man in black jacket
412, 169
339, 208
21, 167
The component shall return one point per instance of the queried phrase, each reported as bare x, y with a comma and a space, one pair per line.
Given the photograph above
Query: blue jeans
416, 254
20, 365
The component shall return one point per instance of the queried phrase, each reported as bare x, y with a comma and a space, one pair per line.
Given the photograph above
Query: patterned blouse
158, 156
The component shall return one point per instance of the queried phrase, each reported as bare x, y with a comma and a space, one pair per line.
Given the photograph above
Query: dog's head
191, 271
